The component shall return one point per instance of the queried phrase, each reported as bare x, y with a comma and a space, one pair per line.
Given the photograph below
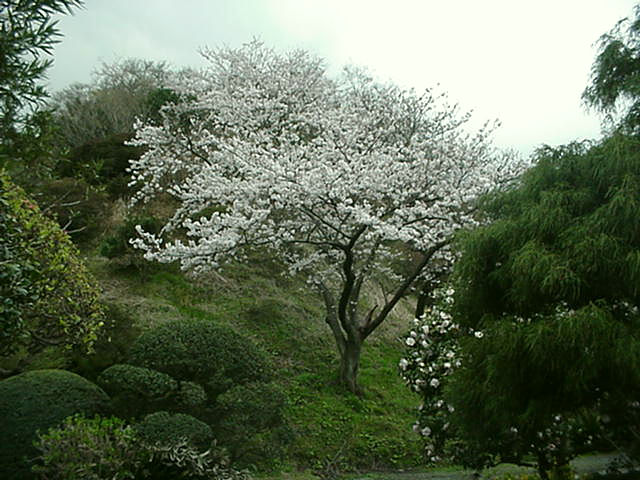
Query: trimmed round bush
137, 390
164, 428
251, 423
40, 400
200, 351
190, 395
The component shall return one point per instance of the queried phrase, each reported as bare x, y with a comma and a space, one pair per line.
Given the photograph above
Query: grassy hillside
335, 431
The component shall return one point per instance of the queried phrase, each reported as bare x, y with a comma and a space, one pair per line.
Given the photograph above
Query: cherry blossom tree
340, 178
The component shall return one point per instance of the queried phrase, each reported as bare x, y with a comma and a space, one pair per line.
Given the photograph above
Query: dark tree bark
350, 329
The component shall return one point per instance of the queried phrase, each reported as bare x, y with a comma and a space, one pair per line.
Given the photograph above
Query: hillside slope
335, 431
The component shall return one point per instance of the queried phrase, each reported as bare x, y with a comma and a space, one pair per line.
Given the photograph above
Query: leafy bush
39, 400
137, 390
200, 351
112, 347
252, 423
46, 293
181, 460
117, 246
98, 448
108, 449
74, 204
166, 428
102, 163
190, 395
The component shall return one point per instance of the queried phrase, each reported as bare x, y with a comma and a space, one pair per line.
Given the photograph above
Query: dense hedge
200, 351
166, 428
251, 423
46, 293
136, 390
39, 400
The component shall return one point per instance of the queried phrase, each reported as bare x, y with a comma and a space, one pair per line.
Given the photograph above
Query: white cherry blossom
339, 178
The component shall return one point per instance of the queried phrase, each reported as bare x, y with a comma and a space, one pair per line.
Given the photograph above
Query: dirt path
587, 464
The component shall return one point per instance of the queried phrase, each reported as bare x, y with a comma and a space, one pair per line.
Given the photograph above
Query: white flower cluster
432, 354
266, 150
561, 440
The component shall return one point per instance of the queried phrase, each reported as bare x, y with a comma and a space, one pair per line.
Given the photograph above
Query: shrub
252, 423
74, 204
35, 401
190, 396
200, 351
112, 347
137, 390
166, 428
117, 246
181, 460
102, 163
98, 448
46, 293
108, 449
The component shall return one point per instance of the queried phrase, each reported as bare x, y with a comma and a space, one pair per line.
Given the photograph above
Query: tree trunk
349, 364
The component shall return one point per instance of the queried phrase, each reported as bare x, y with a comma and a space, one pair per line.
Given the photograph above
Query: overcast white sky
523, 62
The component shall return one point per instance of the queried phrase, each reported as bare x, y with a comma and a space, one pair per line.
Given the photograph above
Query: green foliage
190, 396
117, 247
108, 449
567, 234
47, 294
615, 74
111, 347
553, 285
168, 428
102, 163
75, 205
28, 32
96, 449
35, 401
201, 351
516, 476
32, 151
252, 423
137, 390
181, 460
157, 99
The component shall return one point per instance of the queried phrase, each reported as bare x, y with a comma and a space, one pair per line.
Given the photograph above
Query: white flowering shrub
433, 354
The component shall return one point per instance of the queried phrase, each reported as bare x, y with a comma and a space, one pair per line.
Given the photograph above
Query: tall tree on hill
265, 151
